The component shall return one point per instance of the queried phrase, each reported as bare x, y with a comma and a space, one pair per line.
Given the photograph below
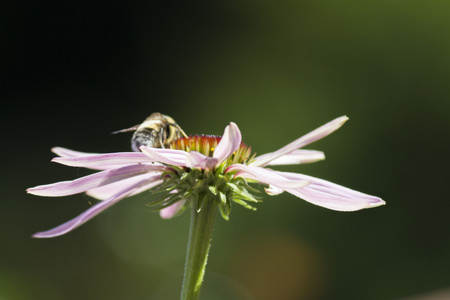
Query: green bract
200, 185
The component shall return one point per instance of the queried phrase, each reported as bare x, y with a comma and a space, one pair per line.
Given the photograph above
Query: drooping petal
331, 200
296, 157
331, 195
89, 182
90, 213
313, 136
104, 161
109, 190
229, 143
196, 159
166, 156
64, 152
267, 176
273, 190
170, 211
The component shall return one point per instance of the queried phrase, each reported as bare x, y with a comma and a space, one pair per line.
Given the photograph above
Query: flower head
199, 168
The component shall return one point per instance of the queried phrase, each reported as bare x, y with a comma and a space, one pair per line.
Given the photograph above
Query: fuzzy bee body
157, 131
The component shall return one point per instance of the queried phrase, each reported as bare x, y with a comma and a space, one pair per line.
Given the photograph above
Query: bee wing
126, 130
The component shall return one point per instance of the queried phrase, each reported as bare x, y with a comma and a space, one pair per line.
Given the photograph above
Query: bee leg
162, 138
179, 128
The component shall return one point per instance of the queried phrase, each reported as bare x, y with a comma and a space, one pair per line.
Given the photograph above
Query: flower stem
200, 233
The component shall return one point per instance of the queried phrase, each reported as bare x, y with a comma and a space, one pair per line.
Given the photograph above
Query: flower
199, 168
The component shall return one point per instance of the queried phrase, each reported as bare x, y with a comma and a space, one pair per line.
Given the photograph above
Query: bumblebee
157, 131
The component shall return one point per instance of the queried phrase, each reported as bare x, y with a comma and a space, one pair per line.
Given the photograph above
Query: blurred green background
73, 72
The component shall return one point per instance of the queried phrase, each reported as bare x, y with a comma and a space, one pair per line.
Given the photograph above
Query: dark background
73, 72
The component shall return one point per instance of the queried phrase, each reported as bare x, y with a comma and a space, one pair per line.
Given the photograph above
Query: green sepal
233, 187
185, 175
166, 185
245, 194
177, 169
188, 192
248, 198
245, 182
213, 189
157, 202
198, 183
244, 204
171, 188
223, 198
219, 170
163, 199
225, 211
167, 203
202, 198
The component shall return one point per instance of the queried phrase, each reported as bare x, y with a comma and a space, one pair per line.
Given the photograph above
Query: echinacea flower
198, 169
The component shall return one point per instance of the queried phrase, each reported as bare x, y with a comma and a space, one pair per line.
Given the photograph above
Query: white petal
273, 190
267, 176
198, 160
229, 143
90, 213
332, 195
107, 191
166, 156
104, 161
313, 136
296, 157
64, 152
93, 181
170, 211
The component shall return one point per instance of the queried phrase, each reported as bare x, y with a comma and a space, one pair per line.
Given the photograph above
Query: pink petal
90, 213
331, 195
296, 157
166, 156
104, 161
267, 176
273, 190
89, 182
109, 190
64, 152
170, 211
196, 159
313, 136
230, 142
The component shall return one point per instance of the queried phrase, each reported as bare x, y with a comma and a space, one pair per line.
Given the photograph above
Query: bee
157, 131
